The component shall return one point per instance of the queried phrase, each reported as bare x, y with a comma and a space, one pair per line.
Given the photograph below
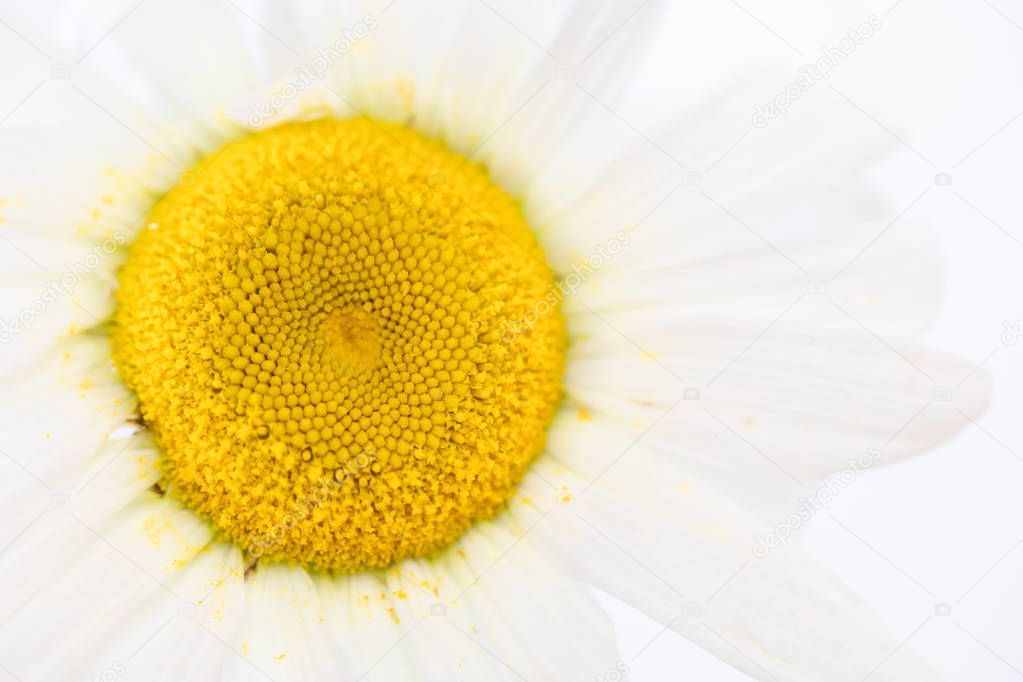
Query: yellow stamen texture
315, 327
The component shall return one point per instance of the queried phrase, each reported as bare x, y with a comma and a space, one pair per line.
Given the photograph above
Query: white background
942, 80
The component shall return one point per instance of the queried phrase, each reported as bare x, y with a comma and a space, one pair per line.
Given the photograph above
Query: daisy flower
354, 340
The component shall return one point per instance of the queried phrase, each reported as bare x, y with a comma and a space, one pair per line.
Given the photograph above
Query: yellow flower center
340, 333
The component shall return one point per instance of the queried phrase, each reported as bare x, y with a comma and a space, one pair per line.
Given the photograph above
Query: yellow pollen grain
316, 334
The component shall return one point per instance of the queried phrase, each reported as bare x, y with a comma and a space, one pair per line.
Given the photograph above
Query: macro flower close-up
478, 340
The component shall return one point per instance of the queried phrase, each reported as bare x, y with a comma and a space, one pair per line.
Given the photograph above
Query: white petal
59, 409
113, 580
122, 469
887, 279
543, 626
673, 547
168, 603
283, 634
738, 186
471, 613
772, 418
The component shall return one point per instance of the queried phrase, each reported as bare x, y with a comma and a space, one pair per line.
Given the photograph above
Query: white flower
737, 303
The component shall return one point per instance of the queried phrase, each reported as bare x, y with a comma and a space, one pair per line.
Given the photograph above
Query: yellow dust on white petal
315, 334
